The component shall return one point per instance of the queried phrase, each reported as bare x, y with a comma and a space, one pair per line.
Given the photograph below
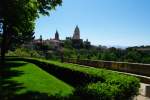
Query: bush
100, 91
92, 83
18, 52
22, 52
146, 60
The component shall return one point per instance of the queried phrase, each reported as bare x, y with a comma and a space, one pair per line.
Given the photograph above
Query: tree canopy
18, 18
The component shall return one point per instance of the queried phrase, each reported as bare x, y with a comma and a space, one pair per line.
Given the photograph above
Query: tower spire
56, 35
76, 34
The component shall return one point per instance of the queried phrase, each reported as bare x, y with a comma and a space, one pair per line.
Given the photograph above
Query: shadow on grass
8, 88
75, 78
42, 96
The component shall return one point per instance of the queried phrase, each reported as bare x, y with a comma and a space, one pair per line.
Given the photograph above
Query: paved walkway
140, 97
142, 92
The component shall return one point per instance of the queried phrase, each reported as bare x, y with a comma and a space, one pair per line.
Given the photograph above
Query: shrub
146, 60
115, 87
22, 52
18, 52
100, 91
92, 83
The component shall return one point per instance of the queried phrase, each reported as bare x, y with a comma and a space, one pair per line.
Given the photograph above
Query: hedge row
92, 83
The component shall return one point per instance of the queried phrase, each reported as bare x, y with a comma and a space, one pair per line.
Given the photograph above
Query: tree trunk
3, 51
3, 46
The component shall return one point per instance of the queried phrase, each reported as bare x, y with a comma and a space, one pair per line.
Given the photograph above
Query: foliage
69, 53
68, 43
88, 51
22, 52
18, 19
99, 91
20, 39
113, 89
131, 54
146, 59
93, 83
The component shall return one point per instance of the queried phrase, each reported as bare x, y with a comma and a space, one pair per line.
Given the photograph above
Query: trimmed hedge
91, 83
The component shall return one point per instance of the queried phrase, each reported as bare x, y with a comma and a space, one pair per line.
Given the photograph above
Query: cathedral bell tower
76, 35
76, 41
56, 35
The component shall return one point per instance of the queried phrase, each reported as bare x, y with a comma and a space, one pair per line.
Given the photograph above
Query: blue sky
103, 22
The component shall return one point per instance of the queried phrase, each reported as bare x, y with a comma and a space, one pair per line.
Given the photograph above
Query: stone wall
135, 68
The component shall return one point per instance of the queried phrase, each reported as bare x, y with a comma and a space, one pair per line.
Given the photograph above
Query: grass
30, 78
97, 84
106, 84
85, 69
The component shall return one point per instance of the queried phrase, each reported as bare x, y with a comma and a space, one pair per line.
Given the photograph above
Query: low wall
135, 68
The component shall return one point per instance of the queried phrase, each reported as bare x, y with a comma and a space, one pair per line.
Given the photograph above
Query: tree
0, 40
17, 40
109, 56
87, 45
18, 18
133, 56
68, 43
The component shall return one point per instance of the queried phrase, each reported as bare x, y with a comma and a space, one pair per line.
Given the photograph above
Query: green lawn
19, 77
30, 78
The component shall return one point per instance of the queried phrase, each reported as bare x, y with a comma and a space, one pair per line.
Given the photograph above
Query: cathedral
76, 41
76, 35
56, 43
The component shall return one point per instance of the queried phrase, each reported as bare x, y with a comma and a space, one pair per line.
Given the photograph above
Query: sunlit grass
35, 79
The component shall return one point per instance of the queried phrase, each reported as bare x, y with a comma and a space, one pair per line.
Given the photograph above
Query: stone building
56, 35
55, 43
76, 35
76, 41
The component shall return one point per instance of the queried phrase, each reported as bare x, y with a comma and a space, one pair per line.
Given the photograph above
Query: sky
102, 22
